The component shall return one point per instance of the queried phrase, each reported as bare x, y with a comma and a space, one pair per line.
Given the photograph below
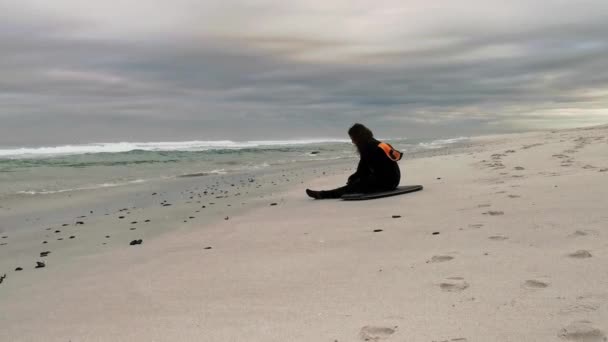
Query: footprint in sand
585, 232
484, 205
454, 284
479, 225
604, 169
579, 308
580, 254
494, 213
374, 333
514, 196
440, 258
582, 331
498, 238
535, 284
519, 168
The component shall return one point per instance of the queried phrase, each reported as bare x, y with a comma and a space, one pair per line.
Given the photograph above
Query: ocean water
31, 171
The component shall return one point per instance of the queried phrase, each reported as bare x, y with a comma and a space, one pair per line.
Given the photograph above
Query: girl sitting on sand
377, 170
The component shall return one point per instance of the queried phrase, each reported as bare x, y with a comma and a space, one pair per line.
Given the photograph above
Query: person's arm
363, 169
357, 173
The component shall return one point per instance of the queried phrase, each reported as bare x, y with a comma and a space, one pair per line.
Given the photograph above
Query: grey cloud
60, 85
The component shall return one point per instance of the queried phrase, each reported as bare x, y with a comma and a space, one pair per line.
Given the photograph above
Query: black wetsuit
375, 172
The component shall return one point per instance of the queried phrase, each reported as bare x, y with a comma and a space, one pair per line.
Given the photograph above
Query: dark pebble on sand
60, 239
435, 233
121, 217
154, 193
65, 225
167, 205
71, 237
43, 254
132, 228
136, 242
79, 222
226, 218
134, 222
18, 269
438, 177
58, 231
377, 230
147, 221
40, 264
396, 216
44, 242
191, 217
107, 236
273, 204
208, 247
4, 237
2, 278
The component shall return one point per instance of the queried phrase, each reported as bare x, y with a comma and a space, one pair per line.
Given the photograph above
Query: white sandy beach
508, 241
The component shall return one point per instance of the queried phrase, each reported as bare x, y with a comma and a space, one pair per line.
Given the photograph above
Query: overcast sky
134, 70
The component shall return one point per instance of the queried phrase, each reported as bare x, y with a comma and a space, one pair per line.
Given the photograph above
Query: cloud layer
78, 71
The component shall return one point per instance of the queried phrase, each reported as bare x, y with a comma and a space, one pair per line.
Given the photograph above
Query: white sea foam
205, 173
441, 142
92, 187
51, 151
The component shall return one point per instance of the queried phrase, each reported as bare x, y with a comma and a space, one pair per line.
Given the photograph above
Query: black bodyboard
373, 195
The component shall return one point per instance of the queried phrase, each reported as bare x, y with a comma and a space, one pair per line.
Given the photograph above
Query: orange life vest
391, 153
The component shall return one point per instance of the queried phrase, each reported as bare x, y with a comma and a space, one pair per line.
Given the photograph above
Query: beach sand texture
508, 241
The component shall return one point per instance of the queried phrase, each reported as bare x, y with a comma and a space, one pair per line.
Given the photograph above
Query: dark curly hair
360, 135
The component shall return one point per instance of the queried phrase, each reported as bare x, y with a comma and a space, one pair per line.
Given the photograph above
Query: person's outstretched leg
326, 194
362, 185
335, 193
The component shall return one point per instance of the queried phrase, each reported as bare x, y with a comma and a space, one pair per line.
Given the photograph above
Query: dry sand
507, 242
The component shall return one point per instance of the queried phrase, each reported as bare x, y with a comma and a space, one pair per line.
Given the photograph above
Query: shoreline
508, 249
